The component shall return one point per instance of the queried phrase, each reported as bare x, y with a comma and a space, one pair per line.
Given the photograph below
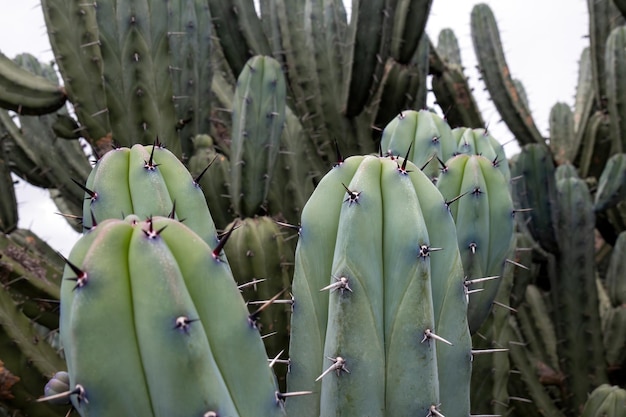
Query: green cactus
145, 181
362, 274
497, 76
483, 215
258, 117
612, 183
424, 135
160, 303
259, 251
606, 401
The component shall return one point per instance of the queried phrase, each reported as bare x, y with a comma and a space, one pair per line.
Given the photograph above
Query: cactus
258, 118
497, 76
354, 268
259, 251
160, 301
483, 216
606, 400
145, 181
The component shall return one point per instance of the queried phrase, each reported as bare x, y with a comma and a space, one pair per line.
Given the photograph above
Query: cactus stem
428, 334
339, 365
250, 283
183, 323
505, 306
433, 412
353, 196
341, 283
512, 262
276, 358
92, 194
199, 177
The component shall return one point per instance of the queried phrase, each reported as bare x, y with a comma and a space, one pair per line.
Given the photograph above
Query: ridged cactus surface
378, 277
153, 325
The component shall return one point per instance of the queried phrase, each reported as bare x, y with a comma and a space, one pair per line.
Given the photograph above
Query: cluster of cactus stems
421, 274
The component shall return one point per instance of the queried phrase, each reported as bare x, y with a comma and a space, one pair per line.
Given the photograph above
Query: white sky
543, 40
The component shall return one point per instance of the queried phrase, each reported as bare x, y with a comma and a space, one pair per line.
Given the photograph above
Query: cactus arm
410, 20
258, 117
615, 66
26, 93
8, 206
138, 90
562, 137
312, 273
407, 297
369, 33
73, 35
496, 74
235, 342
191, 68
239, 30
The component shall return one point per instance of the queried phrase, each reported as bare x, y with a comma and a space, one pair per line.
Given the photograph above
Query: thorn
273, 361
150, 165
341, 283
81, 277
402, 169
512, 262
428, 334
269, 335
252, 317
472, 248
250, 283
434, 412
183, 322
353, 196
479, 280
338, 153
429, 160
454, 199
222, 242
484, 351
281, 396
92, 194
425, 251
151, 233
77, 390
172, 213
210, 414
199, 177
291, 226
339, 364
521, 399
505, 306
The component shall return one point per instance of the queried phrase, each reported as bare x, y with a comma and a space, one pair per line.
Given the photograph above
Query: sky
542, 41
